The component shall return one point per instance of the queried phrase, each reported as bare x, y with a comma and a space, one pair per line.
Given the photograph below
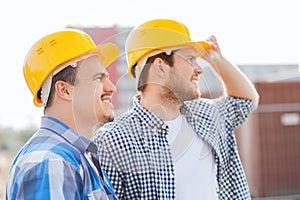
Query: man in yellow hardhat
66, 74
173, 143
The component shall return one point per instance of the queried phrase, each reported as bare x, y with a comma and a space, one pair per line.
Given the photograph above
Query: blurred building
269, 141
270, 72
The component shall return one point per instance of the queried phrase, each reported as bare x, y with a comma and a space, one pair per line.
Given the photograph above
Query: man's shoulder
216, 102
34, 155
120, 125
120, 122
199, 103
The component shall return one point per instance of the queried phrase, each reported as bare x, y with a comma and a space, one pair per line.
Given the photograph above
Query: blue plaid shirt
136, 155
53, 165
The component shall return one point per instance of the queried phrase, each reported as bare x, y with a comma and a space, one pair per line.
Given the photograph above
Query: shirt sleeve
236, 110
50, 179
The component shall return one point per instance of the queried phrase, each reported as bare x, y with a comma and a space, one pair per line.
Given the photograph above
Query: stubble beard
108, 118
179, 90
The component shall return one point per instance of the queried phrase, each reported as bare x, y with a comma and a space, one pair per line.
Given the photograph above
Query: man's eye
101, 77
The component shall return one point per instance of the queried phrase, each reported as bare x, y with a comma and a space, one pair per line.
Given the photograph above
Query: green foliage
12, 139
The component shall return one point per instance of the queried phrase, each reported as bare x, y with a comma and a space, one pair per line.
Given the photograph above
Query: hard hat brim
107, 52
200, 47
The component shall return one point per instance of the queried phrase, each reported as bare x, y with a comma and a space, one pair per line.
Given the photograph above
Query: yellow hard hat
57, 48
158, 34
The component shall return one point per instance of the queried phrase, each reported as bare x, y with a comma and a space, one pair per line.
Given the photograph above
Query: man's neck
160, 104
81, 126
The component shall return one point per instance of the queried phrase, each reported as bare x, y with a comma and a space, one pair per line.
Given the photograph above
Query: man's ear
160, 67
64, 90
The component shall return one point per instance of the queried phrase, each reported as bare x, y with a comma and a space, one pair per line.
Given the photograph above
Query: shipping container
269, 141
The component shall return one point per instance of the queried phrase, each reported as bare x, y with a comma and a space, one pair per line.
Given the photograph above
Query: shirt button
171, 175
153, 129
164, 126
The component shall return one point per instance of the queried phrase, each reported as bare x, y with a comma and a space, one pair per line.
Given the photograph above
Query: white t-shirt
195, 176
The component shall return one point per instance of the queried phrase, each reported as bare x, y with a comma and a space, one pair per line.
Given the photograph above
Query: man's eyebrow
101, 74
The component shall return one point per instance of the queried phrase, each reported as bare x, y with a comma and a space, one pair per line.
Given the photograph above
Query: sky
249, 32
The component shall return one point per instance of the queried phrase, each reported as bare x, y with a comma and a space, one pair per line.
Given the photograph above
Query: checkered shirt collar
81, 143
146, 116
154, 120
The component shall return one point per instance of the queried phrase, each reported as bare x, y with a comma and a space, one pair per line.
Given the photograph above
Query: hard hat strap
45, 92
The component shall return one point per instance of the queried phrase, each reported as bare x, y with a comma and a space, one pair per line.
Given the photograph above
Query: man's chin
107, 118
198, 94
